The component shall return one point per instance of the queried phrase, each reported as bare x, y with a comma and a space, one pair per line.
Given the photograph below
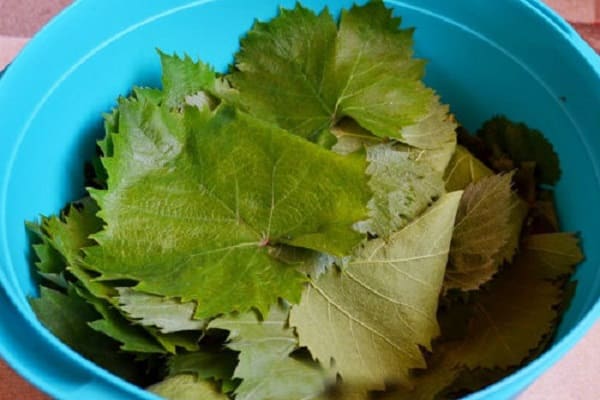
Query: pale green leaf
352, 138
187, 387
265, 366
385, 300
197, 199
402, 190
71, 232
318, 75
464, 169
167, 314
437, 158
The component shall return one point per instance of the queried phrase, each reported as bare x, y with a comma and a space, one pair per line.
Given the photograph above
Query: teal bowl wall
513, 57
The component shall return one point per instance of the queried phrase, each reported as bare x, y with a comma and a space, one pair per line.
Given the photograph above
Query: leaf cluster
305, 226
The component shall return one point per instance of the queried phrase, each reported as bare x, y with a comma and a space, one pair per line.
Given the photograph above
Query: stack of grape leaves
307, 227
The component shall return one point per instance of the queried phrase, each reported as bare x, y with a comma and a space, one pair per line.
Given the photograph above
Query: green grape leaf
71, 232
187, 387
196, 200
513, 143
385, 300
265, 366
49, 260
172, 342
167, 314
319, 74
187, 82
151, 95
67, 316
132, 338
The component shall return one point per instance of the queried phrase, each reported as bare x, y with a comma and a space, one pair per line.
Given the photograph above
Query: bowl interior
480, 65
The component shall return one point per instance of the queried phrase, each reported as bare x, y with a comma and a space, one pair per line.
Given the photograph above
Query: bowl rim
526, 374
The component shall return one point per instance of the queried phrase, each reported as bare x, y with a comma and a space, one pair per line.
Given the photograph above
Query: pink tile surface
9, 47
575, 377
586, 11
24, 17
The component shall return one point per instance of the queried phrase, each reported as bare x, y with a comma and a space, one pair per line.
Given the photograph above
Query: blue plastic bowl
513, 57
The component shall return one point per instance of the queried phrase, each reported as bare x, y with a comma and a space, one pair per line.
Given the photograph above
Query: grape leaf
386, 298
502, 331
167, 314
518, 143
206, 364
265, 367
172, 342
63, 238
542, 216
319, 75
488, 225
67, 317
50, 264
49, 260
402, 189
70, 232
223, 187
498, 332
186, 81
464, 169
344, 391
352, 138
132, 338
186, 387
426, 386
151, 95
556, 254
437, 158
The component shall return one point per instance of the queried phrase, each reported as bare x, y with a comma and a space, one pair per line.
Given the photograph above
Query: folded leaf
265, 367
385, 300
319, 75
196, 199
167, 314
